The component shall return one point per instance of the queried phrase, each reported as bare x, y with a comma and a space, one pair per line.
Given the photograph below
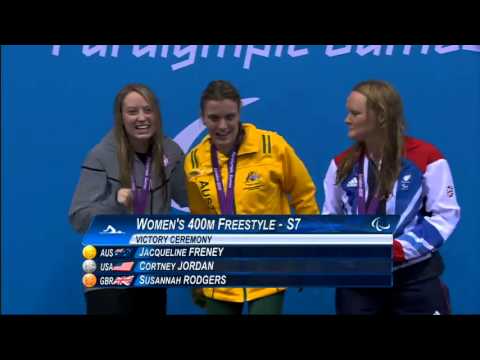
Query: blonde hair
385, 102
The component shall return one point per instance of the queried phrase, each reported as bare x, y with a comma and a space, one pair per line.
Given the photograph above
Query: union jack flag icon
123, 280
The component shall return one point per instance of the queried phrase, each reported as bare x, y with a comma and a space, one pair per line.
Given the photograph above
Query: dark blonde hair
385, 102
125, 151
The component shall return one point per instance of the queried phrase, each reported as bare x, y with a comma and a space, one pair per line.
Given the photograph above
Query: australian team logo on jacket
253, 181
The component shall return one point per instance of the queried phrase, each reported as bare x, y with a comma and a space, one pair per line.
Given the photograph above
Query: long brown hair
385, 102
125, 151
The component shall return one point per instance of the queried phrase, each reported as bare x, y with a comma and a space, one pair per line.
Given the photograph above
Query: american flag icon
123, 280
124, 266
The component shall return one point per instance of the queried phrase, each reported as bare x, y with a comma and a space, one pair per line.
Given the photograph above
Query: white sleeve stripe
409, 208
408, 249
412, 224
365, 175
392, 200
420, 241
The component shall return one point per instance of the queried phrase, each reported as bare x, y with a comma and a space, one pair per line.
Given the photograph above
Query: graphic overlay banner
239, 251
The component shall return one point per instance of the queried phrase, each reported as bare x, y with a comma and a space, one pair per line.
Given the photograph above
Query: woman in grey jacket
133, 152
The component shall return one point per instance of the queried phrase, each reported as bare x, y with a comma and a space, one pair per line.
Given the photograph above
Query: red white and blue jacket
423, 195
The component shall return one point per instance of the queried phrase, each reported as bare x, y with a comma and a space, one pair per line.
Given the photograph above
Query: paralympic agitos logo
379, 227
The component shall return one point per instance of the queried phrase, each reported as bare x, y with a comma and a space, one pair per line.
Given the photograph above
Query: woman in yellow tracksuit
239, 169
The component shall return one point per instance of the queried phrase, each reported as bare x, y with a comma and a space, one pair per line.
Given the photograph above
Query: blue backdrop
57, 103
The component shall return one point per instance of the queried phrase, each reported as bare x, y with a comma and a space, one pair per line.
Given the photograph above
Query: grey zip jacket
96, 192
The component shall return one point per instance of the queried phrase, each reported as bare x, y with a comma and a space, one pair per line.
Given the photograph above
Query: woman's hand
125, 197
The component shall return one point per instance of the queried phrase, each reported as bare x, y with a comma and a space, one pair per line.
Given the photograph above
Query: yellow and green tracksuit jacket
268, 172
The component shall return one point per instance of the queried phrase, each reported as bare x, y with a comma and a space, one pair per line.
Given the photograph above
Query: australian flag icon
123, 253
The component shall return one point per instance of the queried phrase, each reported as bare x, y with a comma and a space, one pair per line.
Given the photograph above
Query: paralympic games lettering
189, 54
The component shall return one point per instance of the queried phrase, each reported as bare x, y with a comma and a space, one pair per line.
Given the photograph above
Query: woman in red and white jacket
386, 172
